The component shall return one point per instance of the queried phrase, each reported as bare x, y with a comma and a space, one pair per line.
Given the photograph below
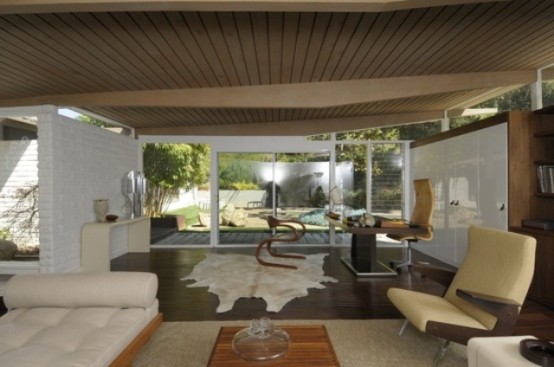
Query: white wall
77, 164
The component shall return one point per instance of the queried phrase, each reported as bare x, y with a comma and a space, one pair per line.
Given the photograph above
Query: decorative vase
126, 209
100, 208
367, 220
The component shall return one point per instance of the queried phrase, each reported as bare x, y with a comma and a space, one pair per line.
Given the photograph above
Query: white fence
201, 198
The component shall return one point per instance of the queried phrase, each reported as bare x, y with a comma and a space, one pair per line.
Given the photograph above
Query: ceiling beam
64, 6
295, 95
296, 128
472, 112
311, 127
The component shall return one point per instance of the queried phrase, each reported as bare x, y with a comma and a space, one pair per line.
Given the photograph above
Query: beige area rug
233, 276
357, 343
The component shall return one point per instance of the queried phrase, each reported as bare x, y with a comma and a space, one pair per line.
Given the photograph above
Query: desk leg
364, 246
363, 257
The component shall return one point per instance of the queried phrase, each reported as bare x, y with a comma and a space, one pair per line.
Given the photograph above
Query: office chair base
399, 264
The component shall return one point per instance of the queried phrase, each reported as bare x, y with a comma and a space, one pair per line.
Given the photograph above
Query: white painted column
536, 92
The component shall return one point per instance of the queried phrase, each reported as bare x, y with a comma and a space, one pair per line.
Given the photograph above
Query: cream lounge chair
483, 298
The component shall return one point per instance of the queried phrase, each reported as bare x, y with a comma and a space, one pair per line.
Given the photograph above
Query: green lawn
190, 213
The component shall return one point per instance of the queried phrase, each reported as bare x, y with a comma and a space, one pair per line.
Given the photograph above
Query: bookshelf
534, 148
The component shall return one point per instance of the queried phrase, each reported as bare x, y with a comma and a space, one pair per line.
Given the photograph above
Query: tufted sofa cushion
74, 319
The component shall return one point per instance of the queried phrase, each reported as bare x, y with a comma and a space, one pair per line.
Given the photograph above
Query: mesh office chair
422, 215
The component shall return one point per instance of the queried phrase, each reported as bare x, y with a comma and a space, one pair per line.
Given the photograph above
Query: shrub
243, 185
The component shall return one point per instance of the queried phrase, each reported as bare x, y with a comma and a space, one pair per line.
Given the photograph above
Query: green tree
169, 168
419, 130
237, 171
92, 121
357, 154
548, 94
515, 100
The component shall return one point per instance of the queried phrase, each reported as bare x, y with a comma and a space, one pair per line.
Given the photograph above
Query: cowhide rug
232, 276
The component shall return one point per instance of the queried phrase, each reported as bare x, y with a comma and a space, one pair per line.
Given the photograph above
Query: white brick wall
77, 164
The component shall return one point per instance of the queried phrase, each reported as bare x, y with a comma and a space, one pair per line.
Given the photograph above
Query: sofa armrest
72, 290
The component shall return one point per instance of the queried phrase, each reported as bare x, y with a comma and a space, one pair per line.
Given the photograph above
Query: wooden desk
310, 346
363, 252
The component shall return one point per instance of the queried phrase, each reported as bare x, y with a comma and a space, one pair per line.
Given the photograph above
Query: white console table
95, 241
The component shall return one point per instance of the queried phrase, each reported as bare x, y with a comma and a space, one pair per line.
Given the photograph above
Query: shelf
541, 148
530, 230
544, 134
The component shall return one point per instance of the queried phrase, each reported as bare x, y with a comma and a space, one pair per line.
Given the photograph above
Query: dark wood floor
350, 298
172, 237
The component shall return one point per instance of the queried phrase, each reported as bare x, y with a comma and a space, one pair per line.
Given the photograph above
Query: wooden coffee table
310, 346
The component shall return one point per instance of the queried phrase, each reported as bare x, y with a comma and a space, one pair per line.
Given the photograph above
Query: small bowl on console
111, 217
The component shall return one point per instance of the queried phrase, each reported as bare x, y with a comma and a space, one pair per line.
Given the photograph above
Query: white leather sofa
77, 319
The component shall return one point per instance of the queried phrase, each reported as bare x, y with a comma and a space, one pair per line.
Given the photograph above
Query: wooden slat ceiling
164, 68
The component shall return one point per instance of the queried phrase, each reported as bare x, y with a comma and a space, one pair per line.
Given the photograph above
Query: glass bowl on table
262, 341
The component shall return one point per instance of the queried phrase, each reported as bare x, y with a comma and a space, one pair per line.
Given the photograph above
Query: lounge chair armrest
506, 310
470, 295
503, 308
440, 275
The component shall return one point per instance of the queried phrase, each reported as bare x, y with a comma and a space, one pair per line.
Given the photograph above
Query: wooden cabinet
541, 288
534, 146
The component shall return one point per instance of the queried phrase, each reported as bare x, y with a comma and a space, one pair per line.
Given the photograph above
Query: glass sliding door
286, 185
387, 179
247, 193
304, 192
351, 179
231, 207
178, 200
